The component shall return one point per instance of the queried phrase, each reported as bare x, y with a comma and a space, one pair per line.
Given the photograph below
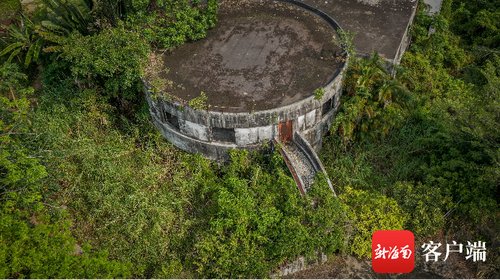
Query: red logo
393, 251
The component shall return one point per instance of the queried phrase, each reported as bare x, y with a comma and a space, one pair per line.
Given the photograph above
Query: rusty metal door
286, 131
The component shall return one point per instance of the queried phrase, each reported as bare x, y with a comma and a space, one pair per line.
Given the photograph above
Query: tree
115, 59
369, 212
373, 101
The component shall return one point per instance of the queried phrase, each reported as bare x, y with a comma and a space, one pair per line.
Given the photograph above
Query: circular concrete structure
259, 70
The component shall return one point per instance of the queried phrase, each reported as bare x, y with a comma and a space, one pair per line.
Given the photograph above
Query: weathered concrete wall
300, 264
194, 133
434, 6
248, 119
405, 41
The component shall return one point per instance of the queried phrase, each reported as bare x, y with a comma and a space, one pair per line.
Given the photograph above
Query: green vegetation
426, 139
105, 177
127, 186
88, 187
113, 59
318, 93
9, 8
24, 44
199, 102
373, 101
35, 236
368, 212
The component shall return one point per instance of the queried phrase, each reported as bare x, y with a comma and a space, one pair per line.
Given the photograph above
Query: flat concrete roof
261, 55
378, 25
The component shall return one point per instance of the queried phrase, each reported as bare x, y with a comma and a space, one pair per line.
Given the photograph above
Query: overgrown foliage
115, 59
108, 42
433, 145
476, 22
135, 195
9, 8
81, 164
373, 101
319, 93
199, 102
176, 23
23, 44
260, 221
367, 213
34, 243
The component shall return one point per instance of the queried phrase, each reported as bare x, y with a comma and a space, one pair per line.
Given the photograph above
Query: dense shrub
437, 161
33, 243
115, 58
367, 213
259, 221
175, 22
373, 101
476, 21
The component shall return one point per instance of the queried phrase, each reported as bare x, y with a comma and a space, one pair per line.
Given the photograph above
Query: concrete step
303, 163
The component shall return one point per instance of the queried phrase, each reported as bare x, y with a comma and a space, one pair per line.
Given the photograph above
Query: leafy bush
318, 93
367, 213
423, 204
373, 101
115, 58
258, 221
19, 171
65, 17
199, 102
34, 244
476, 21
23, 43
175, 22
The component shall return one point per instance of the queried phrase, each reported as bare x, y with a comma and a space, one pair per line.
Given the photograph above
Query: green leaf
10, 47
14, 54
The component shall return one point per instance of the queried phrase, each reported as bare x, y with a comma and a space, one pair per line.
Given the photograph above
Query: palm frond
69, 16
10, 48
14, 53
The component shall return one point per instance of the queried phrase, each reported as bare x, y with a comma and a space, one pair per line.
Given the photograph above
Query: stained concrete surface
378, 25
434, 6
261, 55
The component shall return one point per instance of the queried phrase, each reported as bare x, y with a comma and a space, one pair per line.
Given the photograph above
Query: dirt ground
261, 55
348, 267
